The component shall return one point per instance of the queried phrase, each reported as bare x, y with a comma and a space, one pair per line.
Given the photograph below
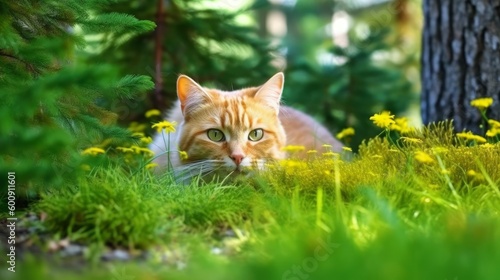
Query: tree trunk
460, 60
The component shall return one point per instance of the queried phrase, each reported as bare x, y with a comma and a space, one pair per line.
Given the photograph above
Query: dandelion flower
136, 149
439, 150
470, 136
423, 157
383, 120
445, 172
138, 134
93, 151
125, 149
330, 154
487, 146
472, 173
151, 165
494, 123
147, 151
165, 125
146, 140
293, 148
410, 140
152, 113
346, 132
482, 103
492, 132
183, 155
137, 127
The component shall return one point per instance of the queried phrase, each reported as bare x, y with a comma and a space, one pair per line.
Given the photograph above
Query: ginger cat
227, 132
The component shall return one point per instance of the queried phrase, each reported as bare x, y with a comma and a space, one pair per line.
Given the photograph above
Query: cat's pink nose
237, 158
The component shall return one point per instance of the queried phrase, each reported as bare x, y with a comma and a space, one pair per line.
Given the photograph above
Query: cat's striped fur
236, 114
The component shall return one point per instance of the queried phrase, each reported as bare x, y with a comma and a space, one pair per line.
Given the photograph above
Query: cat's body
230, 131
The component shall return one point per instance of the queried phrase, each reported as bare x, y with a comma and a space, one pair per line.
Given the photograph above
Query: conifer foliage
53, 99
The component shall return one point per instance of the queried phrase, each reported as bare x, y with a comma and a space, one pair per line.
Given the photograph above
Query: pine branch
28, 65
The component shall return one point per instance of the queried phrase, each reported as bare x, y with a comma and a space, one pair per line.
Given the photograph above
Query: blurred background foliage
74, 73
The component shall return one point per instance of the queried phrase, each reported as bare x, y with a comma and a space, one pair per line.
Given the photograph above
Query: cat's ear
191, 94
270, 92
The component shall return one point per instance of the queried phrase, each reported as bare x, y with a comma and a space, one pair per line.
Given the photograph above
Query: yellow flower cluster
151, 165
293, 148
93, 151
494, 128
183, 155
482, 103
470, 136
346, 132
137, 127
410, 140
152, 113
165, 125
136, 149
423, 157
383, 120
401, 125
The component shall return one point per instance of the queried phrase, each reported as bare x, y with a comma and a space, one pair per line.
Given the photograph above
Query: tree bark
460, 60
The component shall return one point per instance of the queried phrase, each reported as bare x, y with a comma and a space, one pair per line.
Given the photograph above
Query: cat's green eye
256, 134
215, 135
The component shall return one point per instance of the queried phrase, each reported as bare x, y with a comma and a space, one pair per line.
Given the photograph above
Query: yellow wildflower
330, 154
439, 150
125, 149
383, 120
423, 157
93, 151
401, 125
139, 150
147, 151
347, 149
146, 140
492, 132
293, 148
472, 173
487, 146
470, 136
165, 125
445, 171
411, 140
327, 146
494, 123
151, 165
312, 152
137, 127
291, 165
138, 134
482, 103
183, 155
136, 149
345, 133
152, 113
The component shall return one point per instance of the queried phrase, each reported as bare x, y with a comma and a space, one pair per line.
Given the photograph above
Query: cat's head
231, 131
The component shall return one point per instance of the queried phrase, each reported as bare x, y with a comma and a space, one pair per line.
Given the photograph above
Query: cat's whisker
198, 168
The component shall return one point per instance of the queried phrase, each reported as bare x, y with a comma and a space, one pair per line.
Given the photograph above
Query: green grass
386, 214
